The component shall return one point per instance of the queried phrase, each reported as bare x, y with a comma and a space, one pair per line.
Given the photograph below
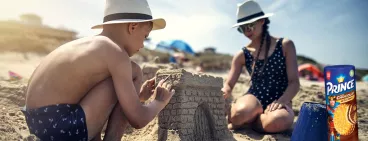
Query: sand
13, 126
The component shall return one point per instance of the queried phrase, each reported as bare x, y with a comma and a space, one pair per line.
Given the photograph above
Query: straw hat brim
158, 23
253, 20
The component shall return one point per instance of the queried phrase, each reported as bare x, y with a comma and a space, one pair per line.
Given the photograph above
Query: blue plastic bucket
311, 124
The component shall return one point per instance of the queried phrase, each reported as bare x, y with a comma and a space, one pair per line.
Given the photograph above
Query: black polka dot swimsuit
273, 81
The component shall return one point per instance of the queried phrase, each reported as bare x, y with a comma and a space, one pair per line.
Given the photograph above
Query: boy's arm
119, 66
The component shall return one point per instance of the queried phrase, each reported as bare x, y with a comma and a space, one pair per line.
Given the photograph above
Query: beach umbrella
365, 78
313, 69
176, 45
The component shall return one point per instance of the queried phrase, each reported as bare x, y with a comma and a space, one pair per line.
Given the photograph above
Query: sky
329, 31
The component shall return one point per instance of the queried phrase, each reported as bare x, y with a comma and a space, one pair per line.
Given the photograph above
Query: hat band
250, 17
118, 16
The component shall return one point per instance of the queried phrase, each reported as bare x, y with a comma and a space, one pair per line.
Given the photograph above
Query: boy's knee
107, 83
137, 71
136, 67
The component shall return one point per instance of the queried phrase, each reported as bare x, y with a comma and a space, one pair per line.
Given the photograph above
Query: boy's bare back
70, 71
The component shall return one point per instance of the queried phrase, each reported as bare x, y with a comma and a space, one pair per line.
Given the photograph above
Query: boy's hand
163, 92
147, 89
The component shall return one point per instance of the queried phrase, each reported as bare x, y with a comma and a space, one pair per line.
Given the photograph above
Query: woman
272, 64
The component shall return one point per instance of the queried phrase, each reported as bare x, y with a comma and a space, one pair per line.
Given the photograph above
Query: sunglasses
247, 27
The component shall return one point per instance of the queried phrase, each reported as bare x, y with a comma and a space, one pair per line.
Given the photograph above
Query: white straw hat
249, 12
129, 11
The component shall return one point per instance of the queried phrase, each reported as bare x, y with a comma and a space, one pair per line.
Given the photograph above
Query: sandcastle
149, 70
196, 111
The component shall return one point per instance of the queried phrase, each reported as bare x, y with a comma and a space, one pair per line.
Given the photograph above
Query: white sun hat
249, 12
129, 11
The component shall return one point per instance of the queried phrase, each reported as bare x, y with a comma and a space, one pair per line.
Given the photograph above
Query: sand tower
196, 111
149, 70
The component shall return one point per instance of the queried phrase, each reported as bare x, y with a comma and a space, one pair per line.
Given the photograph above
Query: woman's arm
236, 65
292, 72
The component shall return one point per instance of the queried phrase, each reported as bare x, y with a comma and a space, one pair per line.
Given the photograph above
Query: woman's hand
275, 105
226, 91
147, 89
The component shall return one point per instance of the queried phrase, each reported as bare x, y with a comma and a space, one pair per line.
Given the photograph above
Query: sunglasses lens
251, 26
247, 27
240, 29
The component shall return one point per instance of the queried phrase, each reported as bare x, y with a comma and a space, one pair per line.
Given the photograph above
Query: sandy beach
13, 125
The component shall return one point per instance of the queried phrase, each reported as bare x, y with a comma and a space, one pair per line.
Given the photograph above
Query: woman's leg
275, 121
244, 111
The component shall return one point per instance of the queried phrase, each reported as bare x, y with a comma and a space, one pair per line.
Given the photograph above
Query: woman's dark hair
265, 37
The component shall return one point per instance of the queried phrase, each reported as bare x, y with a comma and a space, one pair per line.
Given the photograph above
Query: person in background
272, 64
199, 68
179, 57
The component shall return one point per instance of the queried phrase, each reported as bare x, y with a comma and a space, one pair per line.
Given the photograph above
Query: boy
84, 83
